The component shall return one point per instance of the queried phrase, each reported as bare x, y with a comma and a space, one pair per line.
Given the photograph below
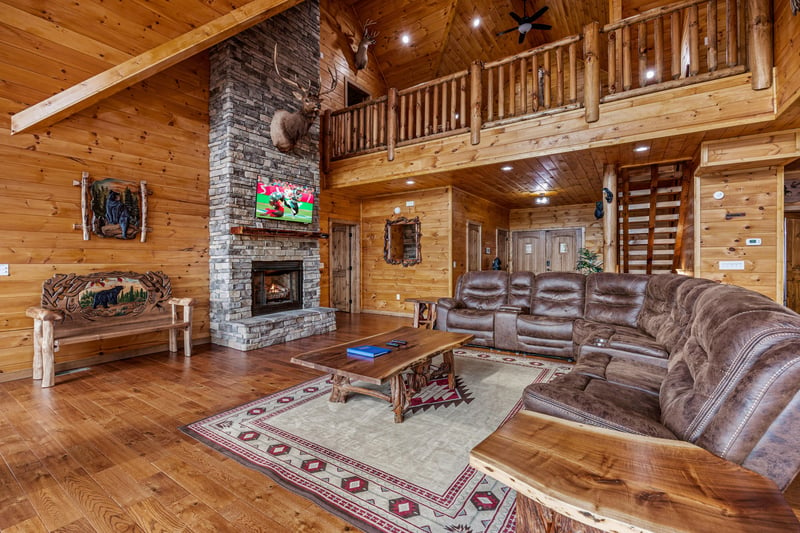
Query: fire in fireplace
277, 286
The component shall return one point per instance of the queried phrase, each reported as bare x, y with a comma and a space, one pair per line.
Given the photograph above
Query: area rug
355, 462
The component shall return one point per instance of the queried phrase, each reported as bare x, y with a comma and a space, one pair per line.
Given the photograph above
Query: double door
539, 251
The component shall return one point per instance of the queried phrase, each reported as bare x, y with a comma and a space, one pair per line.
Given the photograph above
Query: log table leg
448, 365
400, 397
535, 518
339, 390
419, 377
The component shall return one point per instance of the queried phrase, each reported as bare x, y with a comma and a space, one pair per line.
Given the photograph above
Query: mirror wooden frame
398, 251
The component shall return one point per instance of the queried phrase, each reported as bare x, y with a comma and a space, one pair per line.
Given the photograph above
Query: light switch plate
731, 265
4, 270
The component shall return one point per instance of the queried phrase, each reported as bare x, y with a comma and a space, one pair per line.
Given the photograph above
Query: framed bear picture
116, 208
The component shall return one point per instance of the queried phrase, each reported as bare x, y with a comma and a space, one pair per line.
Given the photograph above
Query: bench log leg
37, 349
187, 332
48, 363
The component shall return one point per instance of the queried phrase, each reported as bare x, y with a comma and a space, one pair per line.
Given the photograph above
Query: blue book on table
367, 351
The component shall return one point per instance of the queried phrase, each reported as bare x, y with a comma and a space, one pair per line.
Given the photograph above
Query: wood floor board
101, 450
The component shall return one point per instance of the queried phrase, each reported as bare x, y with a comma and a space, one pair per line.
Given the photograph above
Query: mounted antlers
367, 40
287, 128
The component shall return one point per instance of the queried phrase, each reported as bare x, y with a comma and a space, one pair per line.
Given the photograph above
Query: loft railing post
610, 221
325, 126
391, 123
760, 43
475, 91
591, 80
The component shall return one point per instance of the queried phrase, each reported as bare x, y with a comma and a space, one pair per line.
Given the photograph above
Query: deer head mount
367, 40
287, 127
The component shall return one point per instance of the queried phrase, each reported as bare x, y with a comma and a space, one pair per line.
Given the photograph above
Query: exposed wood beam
101, 86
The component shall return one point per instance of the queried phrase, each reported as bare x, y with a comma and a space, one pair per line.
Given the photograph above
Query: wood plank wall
490, 216
571, 216
340, 207
341, 32
787, 55
381, 282
155, 131
758, 195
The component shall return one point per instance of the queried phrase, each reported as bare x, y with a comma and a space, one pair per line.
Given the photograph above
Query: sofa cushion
470, 319
731, 329
520, 287
656, 314
483, 290
617, 341
640, 375
544, 327
589, 400
559, 294
615, 298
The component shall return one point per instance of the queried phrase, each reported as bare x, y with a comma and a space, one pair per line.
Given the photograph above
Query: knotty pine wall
571, 216
470, 208
787, 54
759, 195
341, 31
380, 281
155, 131
339, 207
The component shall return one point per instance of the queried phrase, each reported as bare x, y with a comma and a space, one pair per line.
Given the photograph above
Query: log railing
687, 42
680, 44
542, 79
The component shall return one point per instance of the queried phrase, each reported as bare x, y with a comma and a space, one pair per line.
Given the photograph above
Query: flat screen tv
281, 200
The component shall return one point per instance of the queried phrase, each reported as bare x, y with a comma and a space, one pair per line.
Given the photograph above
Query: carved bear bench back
87, 307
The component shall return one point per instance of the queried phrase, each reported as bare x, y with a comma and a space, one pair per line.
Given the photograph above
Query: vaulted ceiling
443, 39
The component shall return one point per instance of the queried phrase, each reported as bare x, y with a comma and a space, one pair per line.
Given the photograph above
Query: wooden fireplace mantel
272, 232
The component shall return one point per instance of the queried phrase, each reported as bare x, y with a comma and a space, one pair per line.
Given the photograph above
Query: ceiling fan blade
537, 26
522, 37
516, 17
506, 31
537, 14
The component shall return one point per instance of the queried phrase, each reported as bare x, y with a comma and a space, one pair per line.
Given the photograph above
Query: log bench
80, 308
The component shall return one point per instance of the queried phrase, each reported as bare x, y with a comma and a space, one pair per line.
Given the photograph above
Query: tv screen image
281, 200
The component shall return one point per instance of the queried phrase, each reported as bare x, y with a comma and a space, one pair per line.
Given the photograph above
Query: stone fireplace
244, 95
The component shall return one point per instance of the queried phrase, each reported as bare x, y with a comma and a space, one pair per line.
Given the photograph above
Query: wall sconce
542, 199
396, 210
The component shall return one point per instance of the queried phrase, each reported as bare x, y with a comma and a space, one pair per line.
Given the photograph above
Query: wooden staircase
653, 205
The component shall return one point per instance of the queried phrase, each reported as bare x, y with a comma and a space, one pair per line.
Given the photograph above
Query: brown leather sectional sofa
665, 356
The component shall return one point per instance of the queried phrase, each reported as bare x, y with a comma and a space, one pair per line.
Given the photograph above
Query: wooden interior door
502, 246
528, 249
341, 267
562, 249
473, 246
792, 236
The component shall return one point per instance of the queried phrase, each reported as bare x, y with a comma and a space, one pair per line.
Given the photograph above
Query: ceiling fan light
405, 38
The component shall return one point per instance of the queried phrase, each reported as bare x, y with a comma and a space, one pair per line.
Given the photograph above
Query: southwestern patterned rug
354, 461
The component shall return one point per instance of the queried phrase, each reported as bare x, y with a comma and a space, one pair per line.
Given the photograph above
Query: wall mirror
401, 242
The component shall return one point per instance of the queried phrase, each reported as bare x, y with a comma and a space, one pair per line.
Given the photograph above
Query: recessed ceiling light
506, 168
641, 149
405, 38
410, 182
476, 22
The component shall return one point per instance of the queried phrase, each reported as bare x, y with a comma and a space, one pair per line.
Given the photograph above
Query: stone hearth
244, 95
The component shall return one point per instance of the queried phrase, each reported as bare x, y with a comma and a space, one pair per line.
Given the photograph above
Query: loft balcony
691, 66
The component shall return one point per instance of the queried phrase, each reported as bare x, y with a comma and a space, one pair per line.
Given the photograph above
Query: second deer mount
367, 40
289, 127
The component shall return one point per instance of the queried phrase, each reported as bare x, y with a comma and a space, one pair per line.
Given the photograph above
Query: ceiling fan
525, 23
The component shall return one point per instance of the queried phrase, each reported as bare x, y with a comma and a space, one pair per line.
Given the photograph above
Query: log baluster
573, 73
694, 40
475, 102
641, 33
490, 95
658, 49
427, 112
559, 77
546, 80
675, 43
403, 103
512, 91
453, 102
731, 30
523, 85
627, 80
391, 123
536, 85
711, 35
501, 92
612, 62
462, 111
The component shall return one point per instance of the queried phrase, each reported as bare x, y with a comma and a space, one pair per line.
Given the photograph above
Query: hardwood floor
101, 451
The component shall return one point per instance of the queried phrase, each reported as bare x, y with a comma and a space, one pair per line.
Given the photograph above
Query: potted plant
588, 262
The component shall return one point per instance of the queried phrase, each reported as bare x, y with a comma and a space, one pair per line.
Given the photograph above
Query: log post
326, 138
591, 53
391, 123
610, 220
475, 102
760, 43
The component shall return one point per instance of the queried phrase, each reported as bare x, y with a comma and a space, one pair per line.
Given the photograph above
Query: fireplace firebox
277, 286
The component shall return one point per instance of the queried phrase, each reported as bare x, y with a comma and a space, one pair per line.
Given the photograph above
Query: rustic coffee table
407, 368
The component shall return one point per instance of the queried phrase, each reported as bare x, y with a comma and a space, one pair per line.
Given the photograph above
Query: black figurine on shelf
496, 264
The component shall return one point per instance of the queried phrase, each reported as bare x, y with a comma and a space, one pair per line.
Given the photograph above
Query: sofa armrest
443, 306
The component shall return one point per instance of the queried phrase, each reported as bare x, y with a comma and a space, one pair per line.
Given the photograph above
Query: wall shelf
272, 232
